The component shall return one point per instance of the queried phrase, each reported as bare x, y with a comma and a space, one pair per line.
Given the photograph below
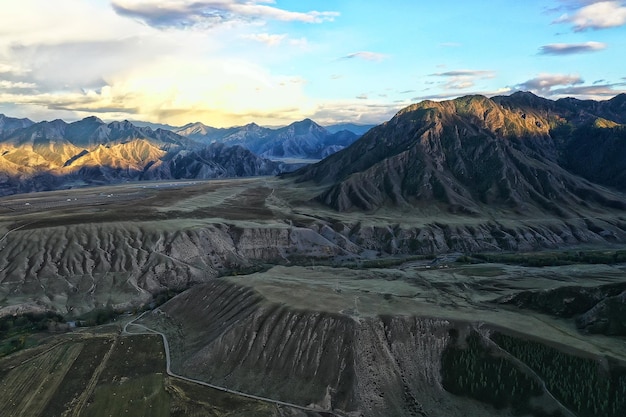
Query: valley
453, 261
263, 208
273, 287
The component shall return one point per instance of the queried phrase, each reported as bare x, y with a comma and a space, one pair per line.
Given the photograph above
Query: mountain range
56, 154
305, 139
520, 152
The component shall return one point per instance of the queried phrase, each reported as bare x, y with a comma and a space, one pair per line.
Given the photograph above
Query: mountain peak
308, 123
92, 119
123, 125
524, 94
193, 125
465, 153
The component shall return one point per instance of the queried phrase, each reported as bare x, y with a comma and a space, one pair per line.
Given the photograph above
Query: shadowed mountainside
378, 365
513, 152
303, 139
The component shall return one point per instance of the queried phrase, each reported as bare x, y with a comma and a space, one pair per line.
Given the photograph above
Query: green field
108, 375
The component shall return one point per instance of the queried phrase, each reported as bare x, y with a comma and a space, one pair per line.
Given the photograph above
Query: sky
232, 62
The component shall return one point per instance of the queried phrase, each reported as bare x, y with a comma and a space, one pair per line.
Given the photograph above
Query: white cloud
354, 111
51, 22
95, 61
463, 79
543, 83
452, 95
366, 55
210, 13
465, 73
221, 93
571, 48
266, 38
276, 39
5, 84
597, 15
568, 85
594, 92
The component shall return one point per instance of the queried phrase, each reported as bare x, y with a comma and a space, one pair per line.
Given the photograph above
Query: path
216, 387
13, 230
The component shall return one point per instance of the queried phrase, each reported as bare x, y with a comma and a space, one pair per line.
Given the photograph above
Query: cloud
358, 111
275, 39
217, 90
12, 69
210, 13
452, 95
595, 92
463, 79
596, 15
266, 38
362, 96
366, 55
543, 83
77, 65
570, 85
571, 48
465, 73
6, 84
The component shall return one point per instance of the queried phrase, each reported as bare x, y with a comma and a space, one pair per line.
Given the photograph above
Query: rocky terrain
52, 155
304, 140
122, 245
455, 261
521, 152
597, 309
363, 361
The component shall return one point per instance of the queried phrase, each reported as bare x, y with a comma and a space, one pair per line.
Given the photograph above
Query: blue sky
231, 62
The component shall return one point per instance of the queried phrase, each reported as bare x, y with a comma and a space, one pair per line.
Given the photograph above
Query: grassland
453, 291
346, 268
86, 374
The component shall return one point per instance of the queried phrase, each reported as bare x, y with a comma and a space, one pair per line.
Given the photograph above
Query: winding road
14, 229
147, 330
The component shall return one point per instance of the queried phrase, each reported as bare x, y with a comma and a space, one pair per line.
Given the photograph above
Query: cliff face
470, 152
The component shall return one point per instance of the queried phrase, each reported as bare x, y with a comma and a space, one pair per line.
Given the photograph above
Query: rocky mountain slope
50, 155
305, 139
356, 128
520, 152
377, 365
10, 124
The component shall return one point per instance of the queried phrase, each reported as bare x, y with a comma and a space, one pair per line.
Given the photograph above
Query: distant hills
305, 139
519, 152
52, 155
56, 154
